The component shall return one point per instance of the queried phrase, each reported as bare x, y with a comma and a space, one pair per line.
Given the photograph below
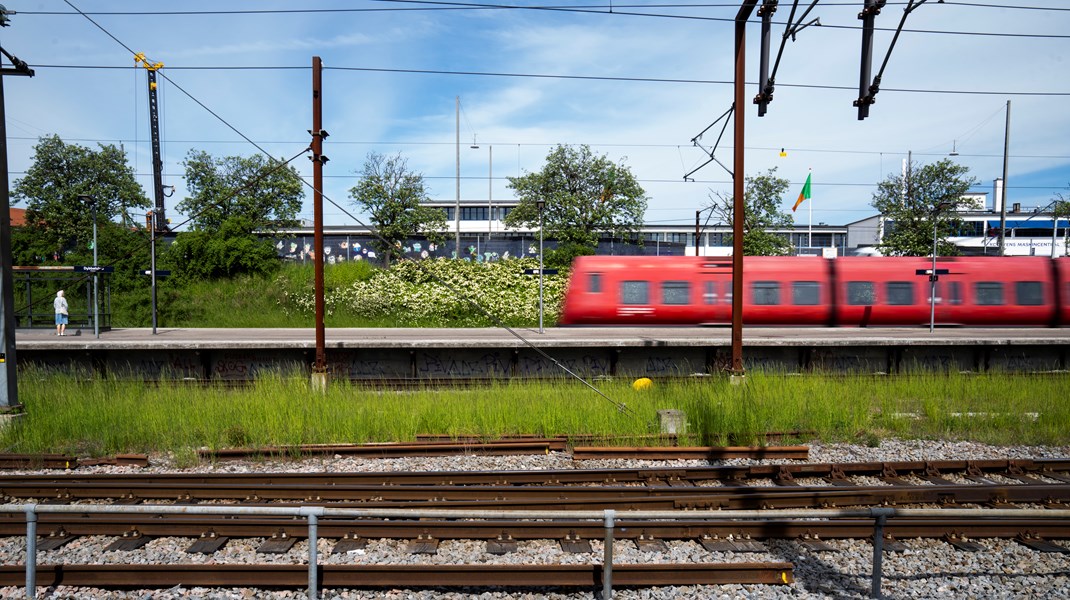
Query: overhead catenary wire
621, 407
459, 6
604, 8
578, 78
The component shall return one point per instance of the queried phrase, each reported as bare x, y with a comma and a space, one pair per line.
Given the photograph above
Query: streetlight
89, 200
541, 204
152, 263
490, 186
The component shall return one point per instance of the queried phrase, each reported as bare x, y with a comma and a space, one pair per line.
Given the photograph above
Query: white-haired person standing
60, 304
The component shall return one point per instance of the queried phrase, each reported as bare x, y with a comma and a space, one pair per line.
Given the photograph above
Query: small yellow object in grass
643, 383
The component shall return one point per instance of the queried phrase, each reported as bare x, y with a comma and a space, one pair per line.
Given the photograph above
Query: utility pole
319, 369
9, 397
738, 173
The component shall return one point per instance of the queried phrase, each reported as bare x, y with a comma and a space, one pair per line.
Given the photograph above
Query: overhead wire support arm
710, 152
160, 221
867, 91
767, 79
19, 67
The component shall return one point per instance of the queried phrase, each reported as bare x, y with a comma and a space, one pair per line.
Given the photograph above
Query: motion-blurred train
814, 291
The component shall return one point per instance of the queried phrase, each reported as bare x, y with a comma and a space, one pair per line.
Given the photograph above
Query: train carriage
812, 291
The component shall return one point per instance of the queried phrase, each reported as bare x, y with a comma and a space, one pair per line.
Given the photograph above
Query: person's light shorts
61, 319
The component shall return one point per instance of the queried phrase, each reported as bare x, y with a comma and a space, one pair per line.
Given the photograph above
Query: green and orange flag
804, 194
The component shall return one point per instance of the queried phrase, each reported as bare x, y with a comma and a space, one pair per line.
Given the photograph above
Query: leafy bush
445, 293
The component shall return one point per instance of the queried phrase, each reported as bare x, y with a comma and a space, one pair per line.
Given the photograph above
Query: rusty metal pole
319, 369
738, 173
696, 231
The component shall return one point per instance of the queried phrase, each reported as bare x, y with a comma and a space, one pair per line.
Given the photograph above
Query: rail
312, 514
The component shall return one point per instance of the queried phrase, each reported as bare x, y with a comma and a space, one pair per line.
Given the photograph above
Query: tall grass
95, 416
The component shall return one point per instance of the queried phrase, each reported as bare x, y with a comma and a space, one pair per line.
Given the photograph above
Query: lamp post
152, 264
490, 187
457, 205
541, 204
1003, 204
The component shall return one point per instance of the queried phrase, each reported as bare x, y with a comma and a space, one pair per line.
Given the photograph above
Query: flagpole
810, 209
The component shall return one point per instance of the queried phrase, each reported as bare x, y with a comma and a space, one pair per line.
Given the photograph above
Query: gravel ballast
927, 569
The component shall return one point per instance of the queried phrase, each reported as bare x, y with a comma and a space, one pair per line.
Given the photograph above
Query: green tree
762, 199
394, 197
584, 197
226, 252
912, 205
263, 193
63, 187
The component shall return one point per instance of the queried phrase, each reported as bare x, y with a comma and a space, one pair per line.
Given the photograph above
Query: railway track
129, 576
988, 482
681, 492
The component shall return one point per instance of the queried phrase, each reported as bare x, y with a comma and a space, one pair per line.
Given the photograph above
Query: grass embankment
103, 416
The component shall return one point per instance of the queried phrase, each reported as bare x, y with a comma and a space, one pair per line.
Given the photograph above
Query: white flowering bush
441, 293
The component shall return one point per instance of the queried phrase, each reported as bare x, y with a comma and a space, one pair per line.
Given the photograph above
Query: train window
709, 295
899, 293
1028, 293
675, 292
635, 292
805, 293
989, 293
594, 283
860, 293
954, 293
766, 293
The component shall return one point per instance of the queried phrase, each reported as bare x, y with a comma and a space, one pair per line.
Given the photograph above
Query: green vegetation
357, 294
94, 416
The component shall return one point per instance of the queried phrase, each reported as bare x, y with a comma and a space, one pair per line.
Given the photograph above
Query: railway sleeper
503, 544
1032, 539
813, 542
209, 543
425, 543
350, 542
279, 543
891, 544
55, 539
961, 542
130, 540
648, 543
741, 543
574, 544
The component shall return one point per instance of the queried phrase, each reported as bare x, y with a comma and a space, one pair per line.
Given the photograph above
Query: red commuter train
813, 291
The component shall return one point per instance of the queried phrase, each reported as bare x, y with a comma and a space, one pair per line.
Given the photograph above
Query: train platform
383, 353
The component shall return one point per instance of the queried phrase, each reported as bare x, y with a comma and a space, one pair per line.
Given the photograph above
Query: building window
765, 293
474, 213
675, 292
805, 293
989, 293
1028, 293
860, 293
635, 292
899, 293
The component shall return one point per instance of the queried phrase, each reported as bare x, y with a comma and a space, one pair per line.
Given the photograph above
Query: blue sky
634, 79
